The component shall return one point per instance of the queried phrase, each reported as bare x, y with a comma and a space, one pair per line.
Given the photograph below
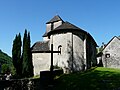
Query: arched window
59, 48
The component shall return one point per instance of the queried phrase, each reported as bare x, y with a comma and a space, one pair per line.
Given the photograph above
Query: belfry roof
55, 19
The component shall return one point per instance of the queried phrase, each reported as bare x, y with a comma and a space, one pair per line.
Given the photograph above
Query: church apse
70, 40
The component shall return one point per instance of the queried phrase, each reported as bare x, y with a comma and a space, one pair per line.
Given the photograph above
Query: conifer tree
19, 56
24, 56
27, 67
16, 54
30, 67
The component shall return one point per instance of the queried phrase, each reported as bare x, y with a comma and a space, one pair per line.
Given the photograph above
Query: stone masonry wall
113, 50
78, 52
60, 59
72, 51
41, 61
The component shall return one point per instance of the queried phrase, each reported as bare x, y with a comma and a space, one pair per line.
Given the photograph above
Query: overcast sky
101, 18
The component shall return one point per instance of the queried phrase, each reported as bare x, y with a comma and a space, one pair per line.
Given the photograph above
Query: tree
22, 62
27, 70
30, 56
16, 54
5, 68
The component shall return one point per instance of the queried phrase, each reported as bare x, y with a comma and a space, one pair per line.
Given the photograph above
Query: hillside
4, 58
96, 79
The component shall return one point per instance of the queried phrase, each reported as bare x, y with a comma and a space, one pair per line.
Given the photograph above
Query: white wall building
111, 53
78, 48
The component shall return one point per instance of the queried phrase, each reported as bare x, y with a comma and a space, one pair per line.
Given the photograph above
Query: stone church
78, 48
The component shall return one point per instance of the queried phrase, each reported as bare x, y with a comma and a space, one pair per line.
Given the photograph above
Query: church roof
119, 37
55, 19
45, 34
40, 46
66, 26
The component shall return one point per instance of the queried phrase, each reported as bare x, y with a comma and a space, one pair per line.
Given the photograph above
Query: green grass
96, 79
35, 77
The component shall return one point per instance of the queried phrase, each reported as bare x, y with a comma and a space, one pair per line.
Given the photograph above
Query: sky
101, 18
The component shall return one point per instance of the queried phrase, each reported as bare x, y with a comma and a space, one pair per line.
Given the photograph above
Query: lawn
96, 79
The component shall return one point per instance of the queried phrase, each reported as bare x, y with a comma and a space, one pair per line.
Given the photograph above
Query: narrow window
59, 48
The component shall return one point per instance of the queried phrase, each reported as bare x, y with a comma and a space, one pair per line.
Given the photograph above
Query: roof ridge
110, 41
55, 19
67, 25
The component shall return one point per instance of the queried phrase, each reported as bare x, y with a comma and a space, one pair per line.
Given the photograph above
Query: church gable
112, 44
111, 53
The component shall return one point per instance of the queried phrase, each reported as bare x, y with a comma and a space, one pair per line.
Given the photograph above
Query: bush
5, 68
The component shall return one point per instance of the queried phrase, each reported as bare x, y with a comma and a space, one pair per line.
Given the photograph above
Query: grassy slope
97, 79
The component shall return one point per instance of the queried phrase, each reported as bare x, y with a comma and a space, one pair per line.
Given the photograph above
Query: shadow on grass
97, 79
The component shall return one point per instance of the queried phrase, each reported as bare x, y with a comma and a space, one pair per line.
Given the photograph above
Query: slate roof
55, 19
67, 25
45, 34
118, 37
40, 46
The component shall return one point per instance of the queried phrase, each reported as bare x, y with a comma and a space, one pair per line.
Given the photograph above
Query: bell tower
51, 25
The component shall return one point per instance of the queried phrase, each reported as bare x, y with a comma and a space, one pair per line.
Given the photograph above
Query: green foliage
96, 79
12, 69
99, 49
22, 62
56, 67
6, 63
16, 54
27, 70
6, 68
4, 58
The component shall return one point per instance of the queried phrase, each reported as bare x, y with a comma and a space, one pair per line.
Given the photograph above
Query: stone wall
78, 52
60, 59
56, 24
72, 51
21, 84
91, 53
112, 60
41, 62
45, 82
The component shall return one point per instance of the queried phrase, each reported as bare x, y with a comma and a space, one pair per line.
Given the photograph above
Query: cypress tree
27, 70
25, 56
16, 54
30, 67
19, 55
